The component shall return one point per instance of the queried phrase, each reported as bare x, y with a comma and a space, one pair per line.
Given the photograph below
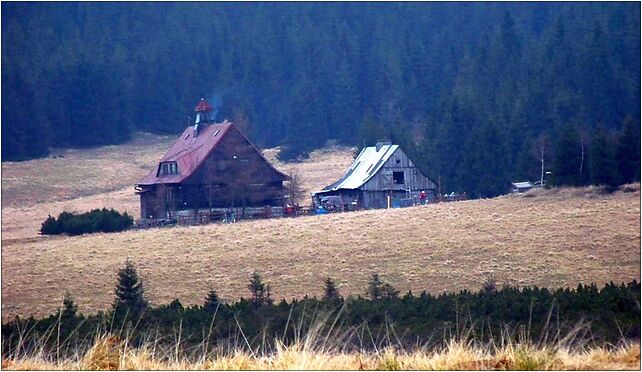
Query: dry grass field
555, 238
552, 238
82, 180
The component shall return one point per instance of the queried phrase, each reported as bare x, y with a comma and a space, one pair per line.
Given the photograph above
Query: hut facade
211, 165
381, 176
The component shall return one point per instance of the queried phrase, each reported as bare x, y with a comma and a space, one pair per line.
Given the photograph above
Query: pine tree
258, 290
330, 290
130, 300
375, 291
69, 309
212, 301
567, 161
370, 132
389, 292
67, 316
628, 151
604, 168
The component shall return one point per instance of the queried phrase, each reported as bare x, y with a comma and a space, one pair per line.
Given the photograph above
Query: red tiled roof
203, 105
189, 152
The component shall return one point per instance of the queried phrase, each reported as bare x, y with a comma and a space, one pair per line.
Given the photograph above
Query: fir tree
212, 301
604, 170
389, 292
375, 291
67, 317
69, 308
567, 161
628, 151
330, 290
490, 285
130, 300
258, 290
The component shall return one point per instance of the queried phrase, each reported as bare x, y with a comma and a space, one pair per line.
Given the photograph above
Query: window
168, 168
397, 177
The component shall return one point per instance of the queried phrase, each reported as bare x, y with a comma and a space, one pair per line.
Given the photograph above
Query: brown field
555, 238
104, 177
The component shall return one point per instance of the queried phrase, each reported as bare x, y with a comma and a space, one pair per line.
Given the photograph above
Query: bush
97, 220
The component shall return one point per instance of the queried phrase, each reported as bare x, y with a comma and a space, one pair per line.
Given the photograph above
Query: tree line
602, 315
470, 90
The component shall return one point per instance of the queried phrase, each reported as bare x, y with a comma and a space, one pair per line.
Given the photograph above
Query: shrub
96, 220
50, 226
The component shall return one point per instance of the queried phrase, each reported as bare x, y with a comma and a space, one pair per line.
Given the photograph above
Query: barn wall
399, 162
374, 199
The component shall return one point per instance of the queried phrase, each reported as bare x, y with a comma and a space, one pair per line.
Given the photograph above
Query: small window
398, 178
398, 161
168, 168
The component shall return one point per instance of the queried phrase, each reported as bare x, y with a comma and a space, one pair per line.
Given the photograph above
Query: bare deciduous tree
294, 186
540, 151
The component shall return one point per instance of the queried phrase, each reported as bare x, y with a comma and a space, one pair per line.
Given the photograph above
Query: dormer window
167, 168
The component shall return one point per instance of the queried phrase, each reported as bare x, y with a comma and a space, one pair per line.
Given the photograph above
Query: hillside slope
556, 238
81, 180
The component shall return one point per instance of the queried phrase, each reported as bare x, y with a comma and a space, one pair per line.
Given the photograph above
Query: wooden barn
211, 165
381, 176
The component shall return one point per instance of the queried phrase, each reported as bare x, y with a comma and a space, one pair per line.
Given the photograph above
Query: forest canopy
475, 92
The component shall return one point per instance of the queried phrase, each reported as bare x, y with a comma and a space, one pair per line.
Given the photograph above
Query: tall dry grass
319, 344
317, 351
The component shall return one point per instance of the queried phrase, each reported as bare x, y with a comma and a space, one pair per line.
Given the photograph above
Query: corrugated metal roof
364, 167
522, 185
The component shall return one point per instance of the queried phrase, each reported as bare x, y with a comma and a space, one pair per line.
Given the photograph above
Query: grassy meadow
80, 180
547, 238
554, 239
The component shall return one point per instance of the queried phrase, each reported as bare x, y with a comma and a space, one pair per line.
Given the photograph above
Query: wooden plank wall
399, 162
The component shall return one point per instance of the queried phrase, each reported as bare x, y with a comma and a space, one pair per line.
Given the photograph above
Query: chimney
381, 143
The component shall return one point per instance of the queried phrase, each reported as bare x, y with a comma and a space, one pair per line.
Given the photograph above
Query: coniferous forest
477, 93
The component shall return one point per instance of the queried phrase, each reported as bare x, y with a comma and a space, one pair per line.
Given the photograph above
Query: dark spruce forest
477, 93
